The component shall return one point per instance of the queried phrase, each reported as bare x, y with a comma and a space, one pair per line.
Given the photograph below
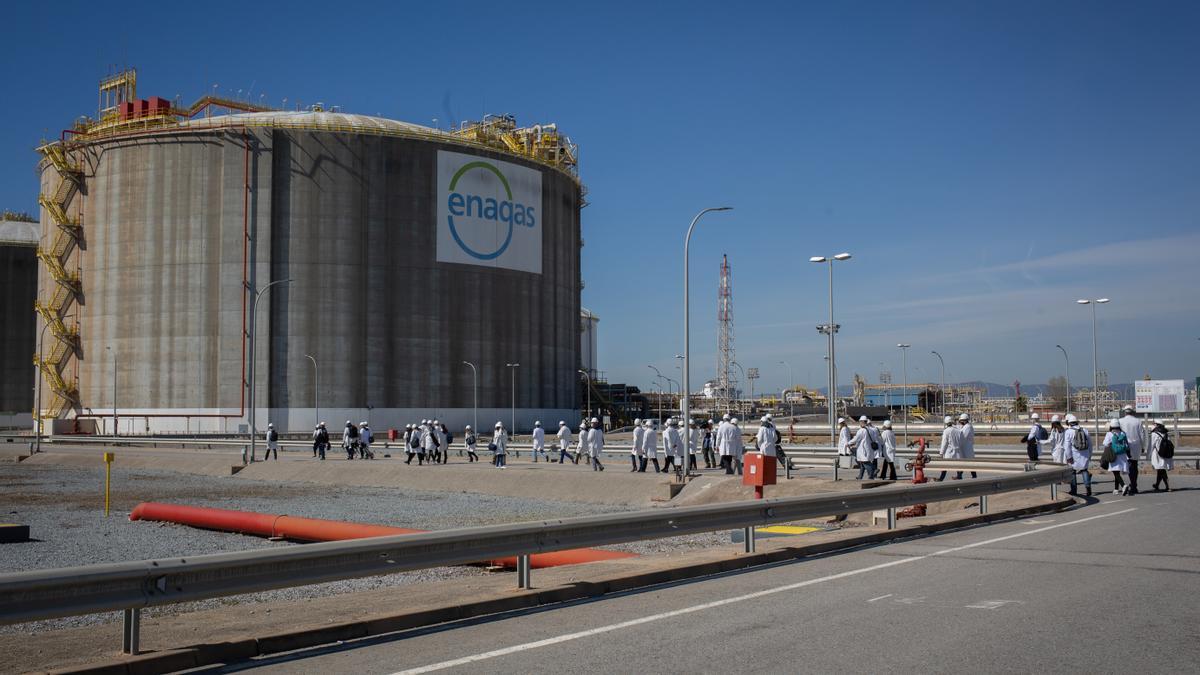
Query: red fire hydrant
917, 466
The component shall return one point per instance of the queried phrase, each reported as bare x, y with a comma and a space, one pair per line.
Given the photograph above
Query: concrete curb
195, 656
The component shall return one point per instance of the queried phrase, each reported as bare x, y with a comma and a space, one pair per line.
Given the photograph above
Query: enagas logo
470, 209
488, 213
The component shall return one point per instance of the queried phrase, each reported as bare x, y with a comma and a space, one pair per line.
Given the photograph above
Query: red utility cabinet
758, 469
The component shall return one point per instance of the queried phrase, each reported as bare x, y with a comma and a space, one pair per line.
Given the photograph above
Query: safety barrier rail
131, 586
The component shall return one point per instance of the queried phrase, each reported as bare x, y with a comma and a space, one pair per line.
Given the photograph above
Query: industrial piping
315, 529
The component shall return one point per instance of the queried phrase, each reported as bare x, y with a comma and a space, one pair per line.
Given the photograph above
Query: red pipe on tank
315, 529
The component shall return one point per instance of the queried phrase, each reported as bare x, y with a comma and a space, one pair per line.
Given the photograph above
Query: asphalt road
1106, 587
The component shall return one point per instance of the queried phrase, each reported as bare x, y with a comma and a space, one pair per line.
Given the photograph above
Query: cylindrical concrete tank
409, 251
18, 332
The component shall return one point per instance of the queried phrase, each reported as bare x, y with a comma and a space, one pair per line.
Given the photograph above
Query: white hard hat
499, 424
1114, 424
270, 425
362, 423
725, 417
1055, 419
863, 418
841, 420
948, 420
349, 423
1128, 408
595, 421
1034, 416
887, 424
1071, 419
537, 423
646, 423
437, 421
637, 421
562, 423
767, 417
964, 417
468, 427
733, 420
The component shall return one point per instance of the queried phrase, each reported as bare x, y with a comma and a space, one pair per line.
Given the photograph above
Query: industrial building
18, 289
351, 267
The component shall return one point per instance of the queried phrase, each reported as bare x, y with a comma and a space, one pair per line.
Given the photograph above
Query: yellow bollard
108, 460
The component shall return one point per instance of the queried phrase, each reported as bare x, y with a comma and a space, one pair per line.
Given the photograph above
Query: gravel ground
64, 508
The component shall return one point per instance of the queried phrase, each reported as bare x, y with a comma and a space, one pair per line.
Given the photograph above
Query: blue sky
986, 163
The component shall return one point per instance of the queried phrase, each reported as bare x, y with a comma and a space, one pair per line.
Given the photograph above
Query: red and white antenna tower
726, 385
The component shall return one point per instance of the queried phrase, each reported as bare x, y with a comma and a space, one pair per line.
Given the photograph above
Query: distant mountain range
1124, 390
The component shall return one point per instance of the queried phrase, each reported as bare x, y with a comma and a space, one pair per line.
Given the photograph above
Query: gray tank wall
18, 329
351, 219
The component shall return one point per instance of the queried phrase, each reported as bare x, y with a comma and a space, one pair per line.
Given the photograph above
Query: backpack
470, 439
323, 436
1120, 443
873, 435
1080, 440
353, 431
1166, 449
414, 439
1042, 434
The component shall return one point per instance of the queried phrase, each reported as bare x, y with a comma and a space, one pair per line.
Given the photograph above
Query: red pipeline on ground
294, 528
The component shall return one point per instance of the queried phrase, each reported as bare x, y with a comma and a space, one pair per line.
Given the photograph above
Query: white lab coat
739, 445
583, 440
1121, 463
636, 448
1078, 458
1136, 433
595, 442
726, 434
1156, 439
500, 439
539, 439
694, 440
441, 439
672, 443
1033, 433
861, 444
1057, 453
649, 448
843, 443
889, 445
951, 447
766, 439
564, 437
967, 440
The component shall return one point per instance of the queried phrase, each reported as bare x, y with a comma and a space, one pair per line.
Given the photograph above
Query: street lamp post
316, 407
687, 337
942, 393
589, 391
904, 395
254, 313
679, 366
514, 367
475, 387
1067, 374
658, 375
831, 329
790, 395
1095, 362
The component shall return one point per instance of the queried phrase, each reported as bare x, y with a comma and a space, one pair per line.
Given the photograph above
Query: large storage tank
410, 252
18, 289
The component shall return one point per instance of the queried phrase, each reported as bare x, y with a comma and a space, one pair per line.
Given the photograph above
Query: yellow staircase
67, 284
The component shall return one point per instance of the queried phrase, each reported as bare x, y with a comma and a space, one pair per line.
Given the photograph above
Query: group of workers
868, 445
1121, 450
356, 440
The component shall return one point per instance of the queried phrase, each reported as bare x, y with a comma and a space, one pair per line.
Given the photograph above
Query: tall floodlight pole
513, 367
687, 337
1067, 374
316, 406
475, 387
589, 390
1095, 363
658, 376
743, 371
904, 396
831, 329
254, 313
943, 391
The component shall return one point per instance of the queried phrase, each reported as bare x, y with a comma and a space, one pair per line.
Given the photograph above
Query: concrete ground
1105, 588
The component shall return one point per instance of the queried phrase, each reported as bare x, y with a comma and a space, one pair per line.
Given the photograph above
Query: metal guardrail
130, 586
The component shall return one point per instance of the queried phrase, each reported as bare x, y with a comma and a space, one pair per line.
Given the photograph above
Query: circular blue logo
450, 216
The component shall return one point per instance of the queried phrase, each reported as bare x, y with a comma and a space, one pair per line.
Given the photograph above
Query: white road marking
1037, 521
514, 649
993, 604
910, 601
880, 597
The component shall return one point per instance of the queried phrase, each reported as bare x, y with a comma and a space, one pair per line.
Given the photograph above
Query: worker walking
272, 442
888, 452
635, 450
596, 444
1162, 454
949, 448
767, 438
725, 444
350, 439
844, 436
1033, 439
693, 441
499, 446
321, 440
365, 438
672, 446
428, 443
441, 452
649, 449
739, 445
1115, 456
471, 440
710, 457
864, 447
564, 441
1078, 452
1055, 441
966, 434
539, 442
1136, 433
583, 448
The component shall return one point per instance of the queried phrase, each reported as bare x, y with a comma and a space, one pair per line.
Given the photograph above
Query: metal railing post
523, 573
749, 539
131, 631
891, 518
1054, 491
983, 499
